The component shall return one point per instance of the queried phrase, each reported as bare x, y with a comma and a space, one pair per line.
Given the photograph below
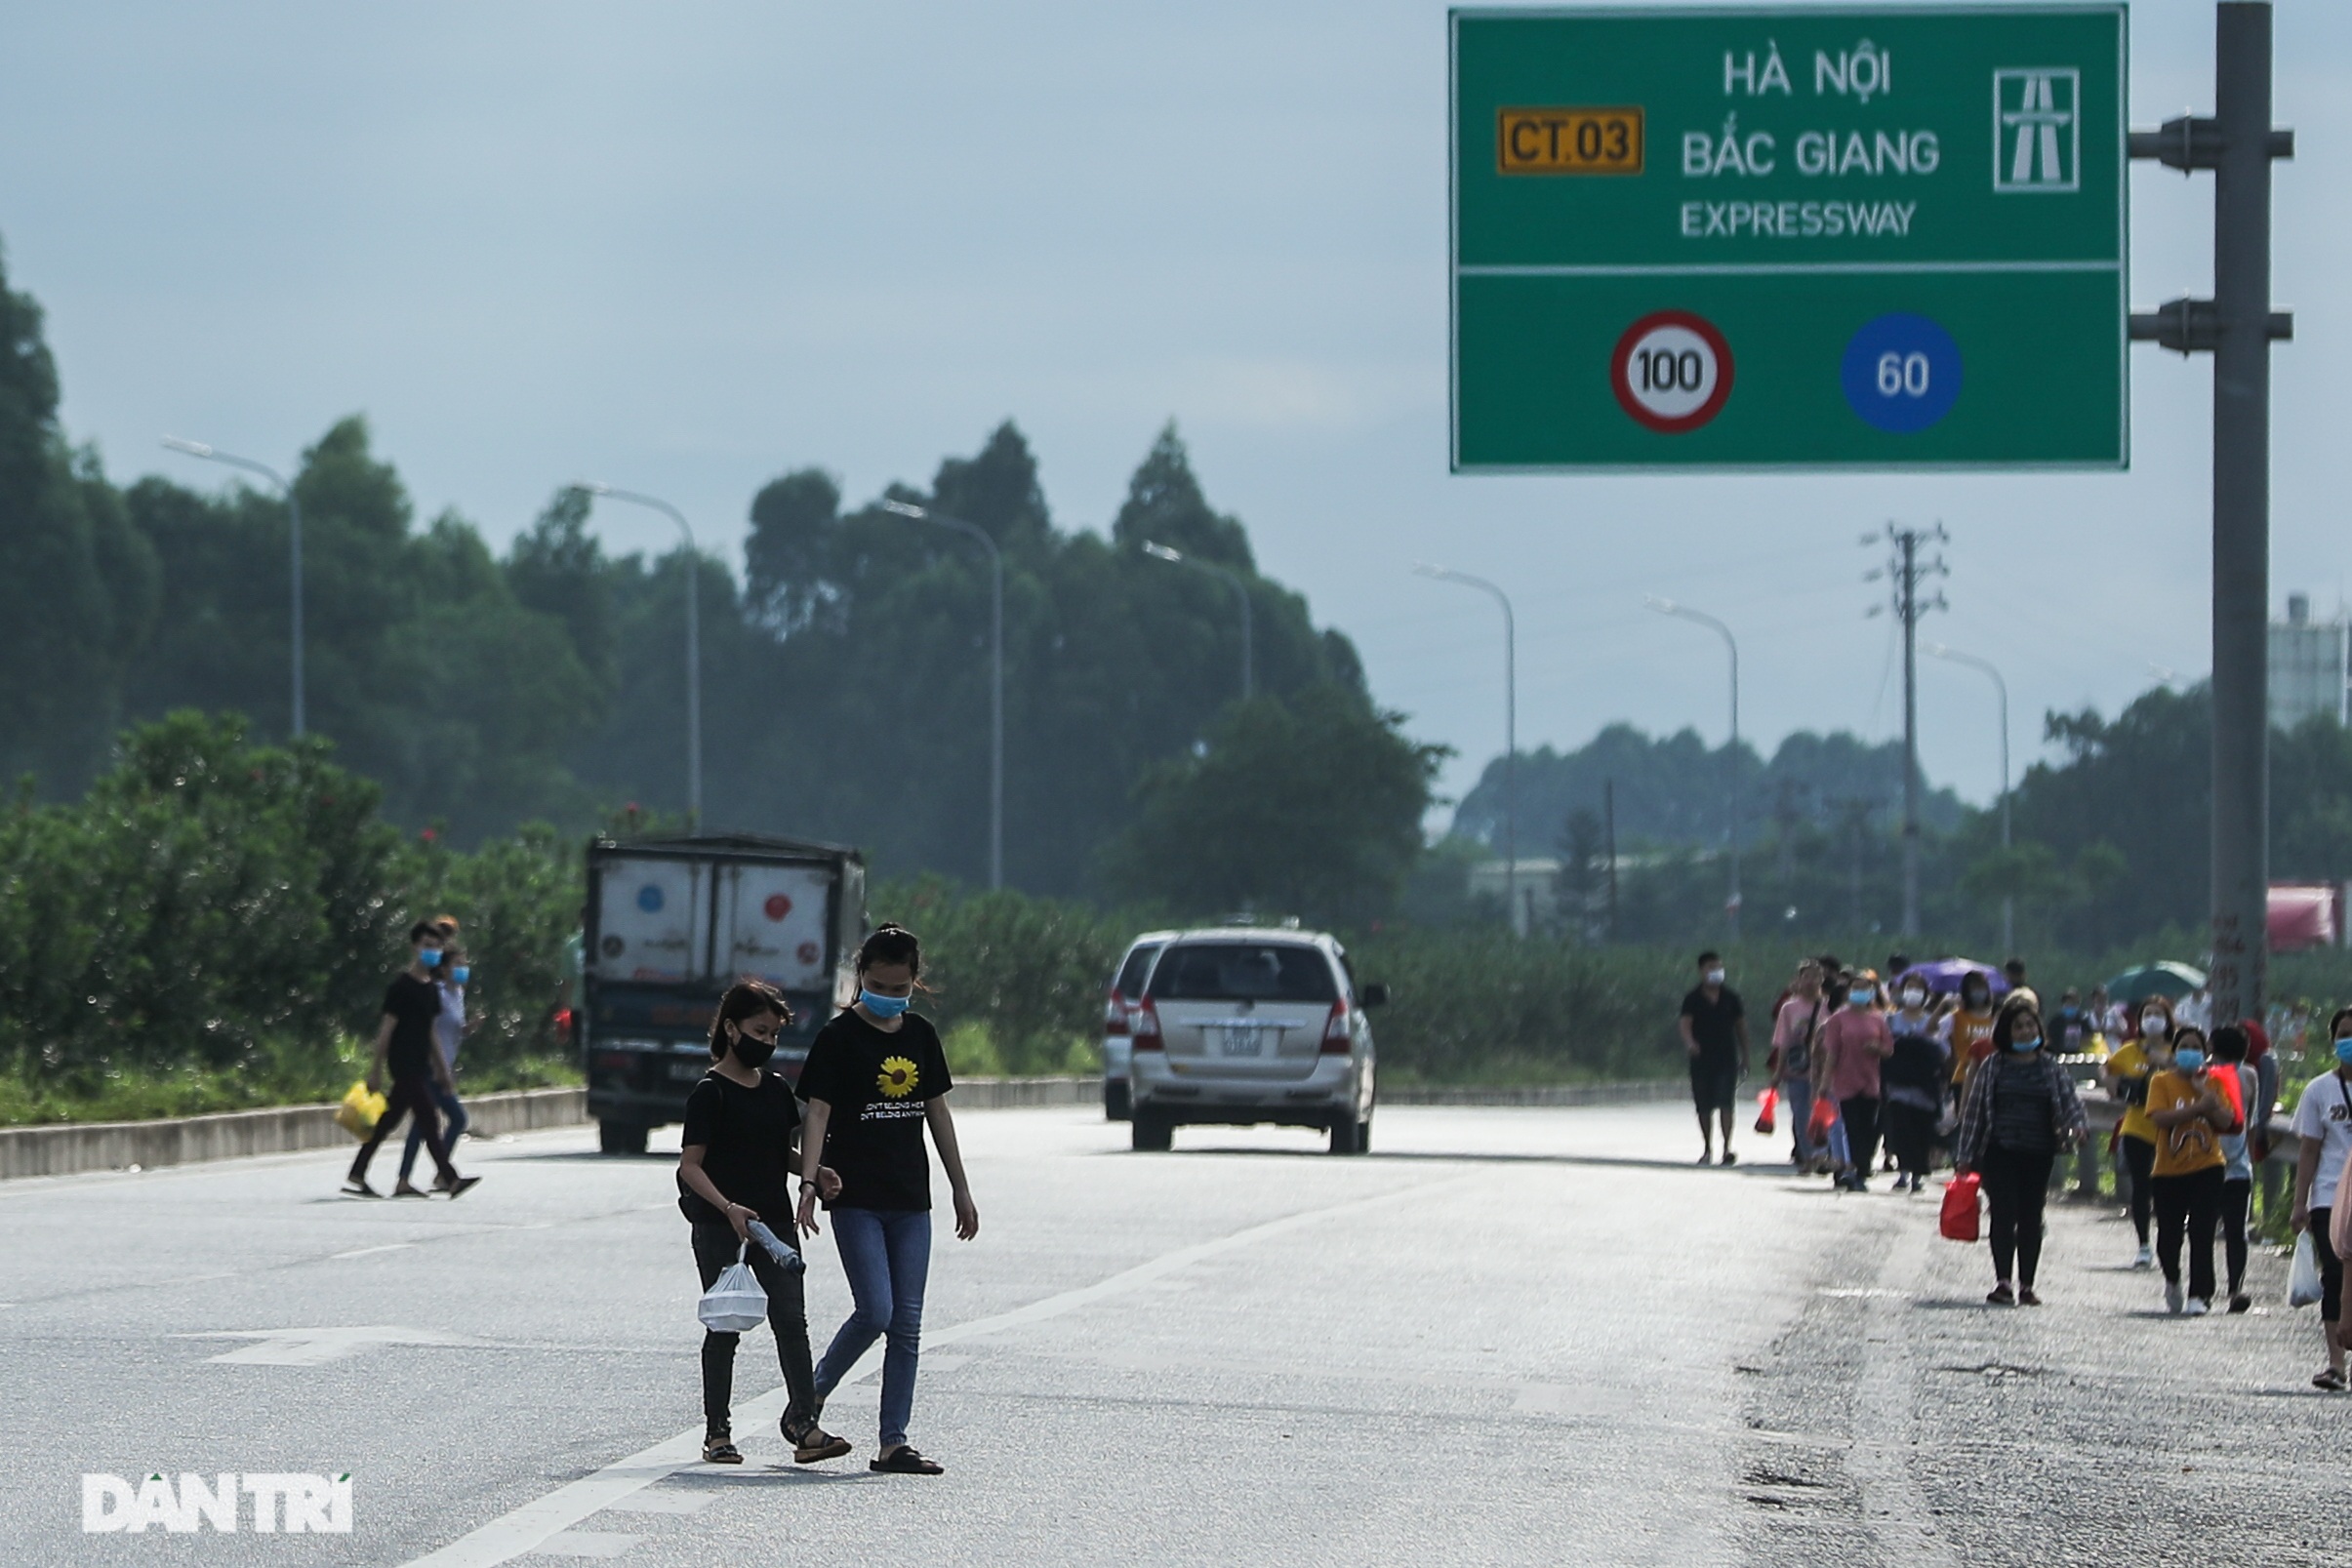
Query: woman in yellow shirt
2191, 1113
2126, 1076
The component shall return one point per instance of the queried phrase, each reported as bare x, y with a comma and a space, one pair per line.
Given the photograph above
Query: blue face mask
459, 972
2343, 1050
2188, 1059
1860, 996
428, 956
883, 1006
2023, 1046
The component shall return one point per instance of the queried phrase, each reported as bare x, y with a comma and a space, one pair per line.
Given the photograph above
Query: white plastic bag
2303, 1278
734, 1304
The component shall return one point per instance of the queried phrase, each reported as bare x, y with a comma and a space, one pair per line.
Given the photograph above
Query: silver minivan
1240, 1025
1118, 1007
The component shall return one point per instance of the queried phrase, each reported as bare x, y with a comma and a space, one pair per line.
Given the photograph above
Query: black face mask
752, 1053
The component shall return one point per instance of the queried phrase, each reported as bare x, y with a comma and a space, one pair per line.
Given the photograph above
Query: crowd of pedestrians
1957, 1065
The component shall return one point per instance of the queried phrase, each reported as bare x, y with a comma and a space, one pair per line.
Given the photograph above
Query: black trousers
1910, 1136
2139, 1162
1861, 1114
2188, 1204
2237, 1202
410, 1097
2016, 1184
2332, 1267
715, 1249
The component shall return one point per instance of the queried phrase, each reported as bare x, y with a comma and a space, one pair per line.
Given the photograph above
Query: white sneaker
2146, 1258
2172, 1296
2198, 1306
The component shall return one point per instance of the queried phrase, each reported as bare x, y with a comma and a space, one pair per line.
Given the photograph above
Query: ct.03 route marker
1808, 238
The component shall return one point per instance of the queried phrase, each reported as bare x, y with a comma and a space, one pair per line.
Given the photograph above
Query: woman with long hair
735, 1166
2020, 1112
876, 1078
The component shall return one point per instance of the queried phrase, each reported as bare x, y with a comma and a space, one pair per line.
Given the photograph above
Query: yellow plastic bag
361, 1110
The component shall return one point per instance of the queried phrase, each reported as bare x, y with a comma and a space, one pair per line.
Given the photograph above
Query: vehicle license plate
1242, 1040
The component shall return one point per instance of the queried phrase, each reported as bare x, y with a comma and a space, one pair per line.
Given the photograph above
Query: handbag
1824, 1117
2303, 1286
1959, 1221
734, 1304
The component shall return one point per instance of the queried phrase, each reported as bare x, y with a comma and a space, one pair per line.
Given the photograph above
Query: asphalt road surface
1507, 1336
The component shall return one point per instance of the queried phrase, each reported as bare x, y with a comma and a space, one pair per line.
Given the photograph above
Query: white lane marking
370, 1252
523, 1530
315, 1347
584, 1543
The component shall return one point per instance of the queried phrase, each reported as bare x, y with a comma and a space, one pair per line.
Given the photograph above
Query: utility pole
988, 542
2237, 326
1512, 913
1906, 570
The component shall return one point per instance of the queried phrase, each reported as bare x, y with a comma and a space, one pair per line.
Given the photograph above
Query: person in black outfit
734, 1164
1912, 1084
2019, 1112
404, 1046
1714, 1032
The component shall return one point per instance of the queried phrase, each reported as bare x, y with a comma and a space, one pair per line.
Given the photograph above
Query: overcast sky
687, 247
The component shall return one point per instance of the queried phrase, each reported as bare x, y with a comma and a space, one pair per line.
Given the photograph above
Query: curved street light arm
1510, 724
293, 548
694, 633
988, 542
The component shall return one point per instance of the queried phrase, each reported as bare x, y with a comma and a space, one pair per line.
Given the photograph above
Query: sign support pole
2237, 326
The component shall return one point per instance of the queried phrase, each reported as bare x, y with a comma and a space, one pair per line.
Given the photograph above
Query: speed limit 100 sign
1672, 371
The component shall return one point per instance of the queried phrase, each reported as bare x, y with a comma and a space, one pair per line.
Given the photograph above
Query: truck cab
669, 924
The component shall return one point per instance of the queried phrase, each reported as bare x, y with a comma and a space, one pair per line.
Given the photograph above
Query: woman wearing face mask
734, 1167
1793, 1029
2127, 1075
1855, 1043
2191, 1113
876, 1078
2237, 1079
2323, 1120
2021, 1111
1912, 1080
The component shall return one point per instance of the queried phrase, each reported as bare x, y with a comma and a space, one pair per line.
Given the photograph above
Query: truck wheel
1151, 1132
1345, 1131
621, 1137
1117, 1101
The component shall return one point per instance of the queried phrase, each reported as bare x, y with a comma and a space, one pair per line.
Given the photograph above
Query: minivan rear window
1244, 971
1130, 982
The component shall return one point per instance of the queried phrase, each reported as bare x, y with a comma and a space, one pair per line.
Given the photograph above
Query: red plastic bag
1825, 1116
1958, 1222
1766, 1103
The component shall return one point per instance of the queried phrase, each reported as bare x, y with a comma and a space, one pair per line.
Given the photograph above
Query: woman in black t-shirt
876, 1078
735, 1167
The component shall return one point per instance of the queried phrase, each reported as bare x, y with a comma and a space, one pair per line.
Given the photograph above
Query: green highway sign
1807, 237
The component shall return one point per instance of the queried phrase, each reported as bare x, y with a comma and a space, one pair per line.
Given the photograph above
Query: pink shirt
1851, 1045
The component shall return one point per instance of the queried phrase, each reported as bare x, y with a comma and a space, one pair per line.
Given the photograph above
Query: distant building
1536, 885
2310, 666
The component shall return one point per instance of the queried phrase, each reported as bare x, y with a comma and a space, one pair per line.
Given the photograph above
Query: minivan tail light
1114, 1015
1143, 1024
1336, 1039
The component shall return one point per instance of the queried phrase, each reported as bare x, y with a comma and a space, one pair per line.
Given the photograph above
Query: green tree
77, 584
1310, 807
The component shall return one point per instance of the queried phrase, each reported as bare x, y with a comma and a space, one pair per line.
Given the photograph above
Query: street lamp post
996, 672
294, 516
2008, 904
1509, 729
1164, 552
1668, 606
694, 636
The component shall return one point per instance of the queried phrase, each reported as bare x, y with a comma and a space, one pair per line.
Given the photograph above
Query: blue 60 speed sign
1901, 373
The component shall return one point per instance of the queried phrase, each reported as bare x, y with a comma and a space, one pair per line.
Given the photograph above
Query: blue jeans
1796, 1097
886, 1253
453, 1122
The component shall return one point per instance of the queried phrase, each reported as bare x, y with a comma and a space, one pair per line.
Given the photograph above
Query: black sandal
812, 1443
719, 1449
905, 1461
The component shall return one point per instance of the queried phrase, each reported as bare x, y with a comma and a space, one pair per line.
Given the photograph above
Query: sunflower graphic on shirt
898, 1077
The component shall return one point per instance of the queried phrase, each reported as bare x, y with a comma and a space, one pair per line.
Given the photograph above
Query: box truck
669, 924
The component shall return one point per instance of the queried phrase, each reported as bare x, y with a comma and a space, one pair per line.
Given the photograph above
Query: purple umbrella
1943, 976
